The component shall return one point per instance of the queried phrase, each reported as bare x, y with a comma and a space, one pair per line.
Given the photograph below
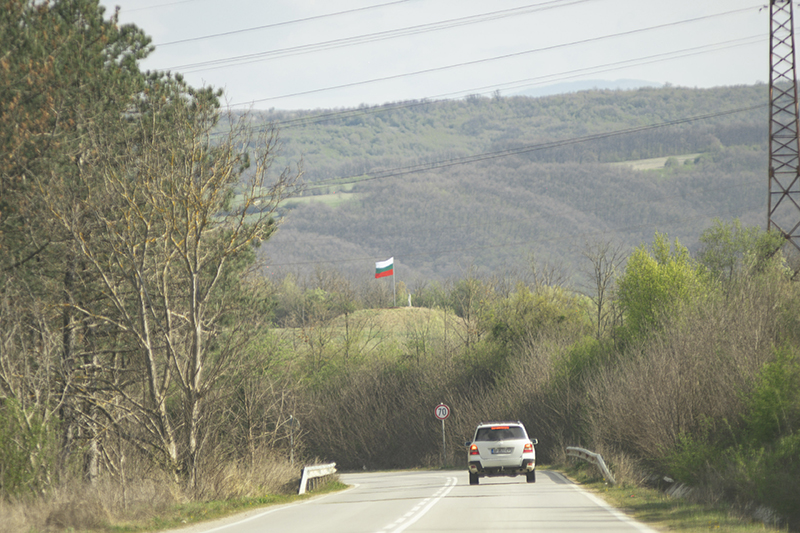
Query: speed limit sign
442, 411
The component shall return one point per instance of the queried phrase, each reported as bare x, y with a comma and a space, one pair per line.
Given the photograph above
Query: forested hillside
549, 175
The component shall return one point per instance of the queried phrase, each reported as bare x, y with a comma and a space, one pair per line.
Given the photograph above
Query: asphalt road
438, 501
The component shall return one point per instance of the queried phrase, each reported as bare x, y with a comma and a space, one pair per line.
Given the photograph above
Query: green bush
770, 459
694, 457
774, 404
583, 358
656, 282
28, 450
778, 478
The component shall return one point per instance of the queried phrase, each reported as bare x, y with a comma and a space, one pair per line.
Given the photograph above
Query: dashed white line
420, 509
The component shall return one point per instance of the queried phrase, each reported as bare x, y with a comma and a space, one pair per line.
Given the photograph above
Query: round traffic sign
442, 411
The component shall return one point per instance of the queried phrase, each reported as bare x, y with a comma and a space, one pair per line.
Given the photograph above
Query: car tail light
499, 427
473, 450
528, 448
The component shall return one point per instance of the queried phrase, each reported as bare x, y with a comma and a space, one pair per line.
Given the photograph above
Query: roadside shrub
379, 416
770, 461
777, 477
28, 450
774, 404
694, 370
75, 505
528, 314
583, 358
693, 457
657, 282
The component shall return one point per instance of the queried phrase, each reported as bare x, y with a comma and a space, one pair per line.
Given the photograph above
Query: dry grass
77, 506
666, 513
270, 474
397, 320
152, 503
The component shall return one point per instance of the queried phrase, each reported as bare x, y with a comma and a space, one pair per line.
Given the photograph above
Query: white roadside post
442, 412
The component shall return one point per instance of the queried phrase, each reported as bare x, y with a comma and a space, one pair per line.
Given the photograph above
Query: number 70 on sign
442, 411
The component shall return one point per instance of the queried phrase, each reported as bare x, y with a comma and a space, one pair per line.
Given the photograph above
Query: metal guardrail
312, 473
594, 458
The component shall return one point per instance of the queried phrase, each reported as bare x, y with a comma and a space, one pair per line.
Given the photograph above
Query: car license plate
502, 450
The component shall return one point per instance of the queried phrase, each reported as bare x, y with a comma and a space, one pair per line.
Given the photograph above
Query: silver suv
501, 449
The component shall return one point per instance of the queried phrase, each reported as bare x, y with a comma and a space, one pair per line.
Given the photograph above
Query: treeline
670, 364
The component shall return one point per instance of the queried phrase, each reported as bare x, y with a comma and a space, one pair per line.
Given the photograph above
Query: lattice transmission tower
784, 143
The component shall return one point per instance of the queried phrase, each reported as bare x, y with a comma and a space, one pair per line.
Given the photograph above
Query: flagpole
394, 289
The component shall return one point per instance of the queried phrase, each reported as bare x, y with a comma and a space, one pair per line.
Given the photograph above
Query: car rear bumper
476, 467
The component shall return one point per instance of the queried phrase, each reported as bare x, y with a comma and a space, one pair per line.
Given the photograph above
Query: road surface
438, 501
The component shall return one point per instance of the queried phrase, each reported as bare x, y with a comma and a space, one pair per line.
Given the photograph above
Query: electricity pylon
784, 143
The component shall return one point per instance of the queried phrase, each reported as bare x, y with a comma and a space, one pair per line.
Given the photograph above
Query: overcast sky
308, 54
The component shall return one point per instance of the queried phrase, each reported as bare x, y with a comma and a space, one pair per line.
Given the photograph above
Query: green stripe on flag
384, 268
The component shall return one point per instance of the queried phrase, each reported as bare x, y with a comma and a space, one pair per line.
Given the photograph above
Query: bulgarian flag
384, 268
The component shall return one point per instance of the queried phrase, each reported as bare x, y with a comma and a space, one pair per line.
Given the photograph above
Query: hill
586, 85
494, 182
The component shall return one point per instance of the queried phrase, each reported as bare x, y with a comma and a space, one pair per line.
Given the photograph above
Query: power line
518, 84
504, 153
278, 24
370, 37
496, 58
541, 146
486, 156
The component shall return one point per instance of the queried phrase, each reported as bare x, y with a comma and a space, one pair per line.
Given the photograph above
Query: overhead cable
278, 24
486, 156
518, 84
370, 37
489, 59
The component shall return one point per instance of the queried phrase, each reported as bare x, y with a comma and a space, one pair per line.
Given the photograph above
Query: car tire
531, 476
473, 479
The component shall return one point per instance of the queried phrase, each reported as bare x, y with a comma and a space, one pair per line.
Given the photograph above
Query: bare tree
606, 260
469, 298
189, 205
545, 274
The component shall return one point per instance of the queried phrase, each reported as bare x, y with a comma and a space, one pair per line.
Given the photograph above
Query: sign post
442, 412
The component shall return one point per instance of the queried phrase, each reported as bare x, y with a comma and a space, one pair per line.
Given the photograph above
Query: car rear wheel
473, 479
531, 476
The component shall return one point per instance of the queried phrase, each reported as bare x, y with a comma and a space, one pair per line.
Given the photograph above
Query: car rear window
500, 433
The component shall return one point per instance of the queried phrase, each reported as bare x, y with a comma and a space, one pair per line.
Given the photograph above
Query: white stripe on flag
384, 264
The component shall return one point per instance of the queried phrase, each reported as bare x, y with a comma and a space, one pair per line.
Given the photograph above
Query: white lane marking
420, 509
622, 517
273, 510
